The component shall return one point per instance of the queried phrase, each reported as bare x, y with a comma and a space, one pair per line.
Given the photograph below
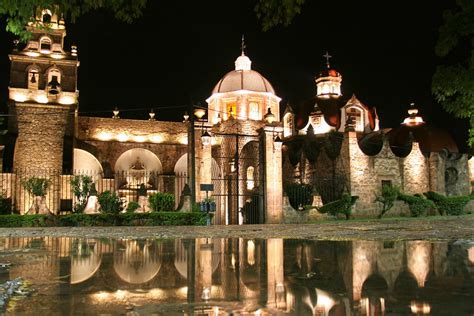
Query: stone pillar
204, 269
204, 169
39, 147
437, 168
415, 172
273, 177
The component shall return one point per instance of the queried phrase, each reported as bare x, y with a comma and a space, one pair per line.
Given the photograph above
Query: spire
243, 62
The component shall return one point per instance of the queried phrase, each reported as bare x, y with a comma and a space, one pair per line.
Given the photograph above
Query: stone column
436, 173
204, 169
39, 147
416, 172
272, 176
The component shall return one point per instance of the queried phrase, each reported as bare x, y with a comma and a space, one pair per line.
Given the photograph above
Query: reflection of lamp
206, 293
269, 117
206, 138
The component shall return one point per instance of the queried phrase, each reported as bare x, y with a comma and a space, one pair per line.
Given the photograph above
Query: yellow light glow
122, 137
183, 140
139, 138
120, 294
66, 99
45, 51
104, 136
420, 308
156, 138
41, 98
57, 56
32, 54
18, 96
101, 296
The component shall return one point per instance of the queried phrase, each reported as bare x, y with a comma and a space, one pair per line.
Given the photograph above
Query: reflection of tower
42, 100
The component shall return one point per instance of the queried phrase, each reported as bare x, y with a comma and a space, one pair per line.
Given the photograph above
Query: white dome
243, 78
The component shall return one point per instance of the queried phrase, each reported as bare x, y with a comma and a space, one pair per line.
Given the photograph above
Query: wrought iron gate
238, 179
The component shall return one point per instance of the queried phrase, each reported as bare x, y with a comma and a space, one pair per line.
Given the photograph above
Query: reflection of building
239, 276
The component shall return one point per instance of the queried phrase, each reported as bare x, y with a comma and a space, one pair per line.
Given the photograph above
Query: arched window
288, 125
231, 109
250, 178
357, 118
54, 72
45, 45
254, 111
46, 16
33, 77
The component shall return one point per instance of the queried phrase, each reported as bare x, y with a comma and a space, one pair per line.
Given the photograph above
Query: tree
277, 12
387, 197
20, 12
453, 82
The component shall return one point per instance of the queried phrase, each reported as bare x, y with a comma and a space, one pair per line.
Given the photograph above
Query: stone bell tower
43, 97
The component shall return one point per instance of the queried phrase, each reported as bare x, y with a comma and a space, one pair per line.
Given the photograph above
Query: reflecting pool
239, 277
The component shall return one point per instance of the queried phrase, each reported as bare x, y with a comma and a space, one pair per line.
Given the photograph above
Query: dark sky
179, 50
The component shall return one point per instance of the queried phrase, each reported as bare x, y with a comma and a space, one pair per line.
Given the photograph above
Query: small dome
329, 72
243, 78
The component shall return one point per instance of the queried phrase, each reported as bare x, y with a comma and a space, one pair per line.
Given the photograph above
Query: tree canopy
453, 81
20, 12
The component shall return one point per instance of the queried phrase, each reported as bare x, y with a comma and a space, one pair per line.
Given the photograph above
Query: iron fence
59, 195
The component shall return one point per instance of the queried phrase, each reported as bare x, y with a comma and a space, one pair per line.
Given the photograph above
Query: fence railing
59, 195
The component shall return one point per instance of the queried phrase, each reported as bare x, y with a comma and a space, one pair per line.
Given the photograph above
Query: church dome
243, 78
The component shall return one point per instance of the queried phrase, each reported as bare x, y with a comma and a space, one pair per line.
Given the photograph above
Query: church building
239, 143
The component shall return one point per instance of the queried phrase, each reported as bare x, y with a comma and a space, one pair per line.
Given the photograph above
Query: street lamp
205, 138
269, 117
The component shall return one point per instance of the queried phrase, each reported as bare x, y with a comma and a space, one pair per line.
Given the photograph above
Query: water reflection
242, 276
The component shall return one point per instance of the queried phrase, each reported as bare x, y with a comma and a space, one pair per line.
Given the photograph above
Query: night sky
179, 50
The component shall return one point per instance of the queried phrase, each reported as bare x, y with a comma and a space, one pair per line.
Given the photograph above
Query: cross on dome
243, 62
327, 56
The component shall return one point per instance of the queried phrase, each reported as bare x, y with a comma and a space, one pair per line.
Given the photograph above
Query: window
231, 109
45, 45
33, 78
386, 183
250, 178
54, 72
288, 128
356, 116
254, 113
46, 16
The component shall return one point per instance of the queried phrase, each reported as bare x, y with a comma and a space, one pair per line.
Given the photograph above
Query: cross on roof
242, 44
327, 56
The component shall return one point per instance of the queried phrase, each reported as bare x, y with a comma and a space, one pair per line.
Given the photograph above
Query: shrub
341, 206
81, 187
450, 205
25, 221
388, 195
132, 207
110, 203
417, 204
161, 202
299, 194
36, 186
5, 205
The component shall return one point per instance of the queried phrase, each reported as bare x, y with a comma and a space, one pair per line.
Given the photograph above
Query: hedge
450, 205
127, 219
417, 204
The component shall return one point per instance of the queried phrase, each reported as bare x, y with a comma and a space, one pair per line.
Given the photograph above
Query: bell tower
43, 98
328, 82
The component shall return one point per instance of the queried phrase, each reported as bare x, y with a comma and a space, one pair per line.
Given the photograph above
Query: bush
417, 204
5, 205
450, 205
25, 221
110, 203
161, 202
299, 194
388, 195
341, 206
132, 207
126, 219
81, 187
36, 186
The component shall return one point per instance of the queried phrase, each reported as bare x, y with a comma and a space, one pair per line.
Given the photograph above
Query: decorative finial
242, 45
152, 115
327, 56
116, 113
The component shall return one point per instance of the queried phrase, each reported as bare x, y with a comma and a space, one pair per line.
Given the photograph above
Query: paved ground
436, 228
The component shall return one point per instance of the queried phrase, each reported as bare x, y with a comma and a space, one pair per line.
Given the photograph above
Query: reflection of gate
238, 186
